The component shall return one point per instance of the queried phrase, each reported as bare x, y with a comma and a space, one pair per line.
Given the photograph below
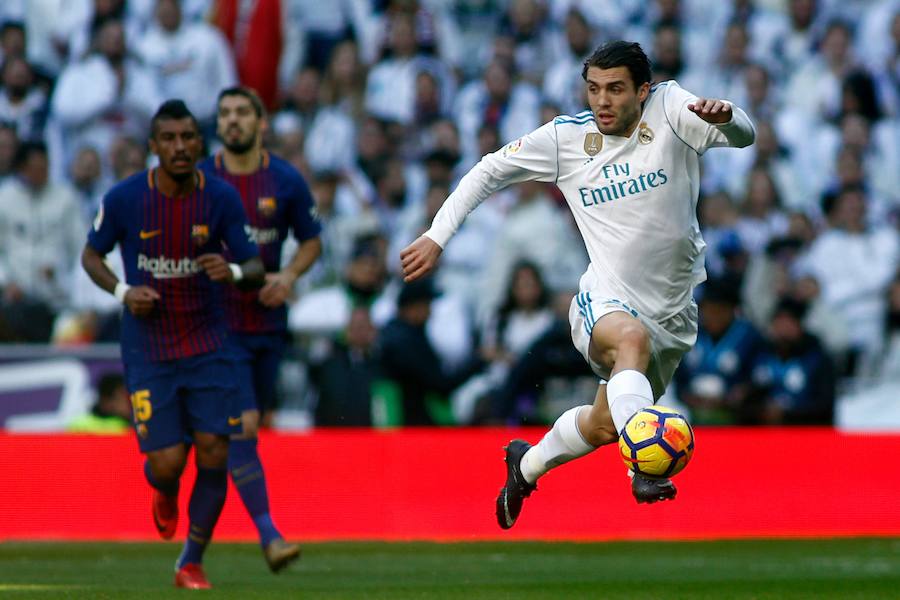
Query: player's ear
151, 141
643, 91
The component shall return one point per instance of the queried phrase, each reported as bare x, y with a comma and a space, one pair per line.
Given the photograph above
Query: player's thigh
156, 410
597, 326
212, 393
211, 450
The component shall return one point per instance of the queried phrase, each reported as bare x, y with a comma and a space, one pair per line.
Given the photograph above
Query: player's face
177, 143
238, 124
615, 102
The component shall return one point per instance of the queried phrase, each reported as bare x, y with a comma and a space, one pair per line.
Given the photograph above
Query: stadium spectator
793, 381
255, 31
41, 231
21, 101
344, 377
408, 358
534, 230
854, 264
192, 60
523, 317
761, 216
390, 87
496, 101
111, 412
105, 95
86, 174
562, 83
127, 156
714, 377
9, 144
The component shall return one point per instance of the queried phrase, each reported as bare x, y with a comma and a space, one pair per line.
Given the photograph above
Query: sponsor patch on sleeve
512, 147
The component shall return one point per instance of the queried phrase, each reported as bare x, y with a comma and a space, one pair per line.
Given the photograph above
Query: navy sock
250, 481
169, 488
206, 504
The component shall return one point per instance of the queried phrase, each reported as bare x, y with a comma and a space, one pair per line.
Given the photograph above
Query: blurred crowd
384, 104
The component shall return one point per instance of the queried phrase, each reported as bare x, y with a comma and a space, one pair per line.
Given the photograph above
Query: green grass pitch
771, 569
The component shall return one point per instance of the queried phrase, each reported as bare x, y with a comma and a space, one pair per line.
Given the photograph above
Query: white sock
561, 444
627, 392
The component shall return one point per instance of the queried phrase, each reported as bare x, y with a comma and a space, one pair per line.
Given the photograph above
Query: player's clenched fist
419, 258
276, 290
216, 267
140, 300
711, 110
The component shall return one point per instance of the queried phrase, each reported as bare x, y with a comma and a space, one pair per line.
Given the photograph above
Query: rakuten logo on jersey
168, 268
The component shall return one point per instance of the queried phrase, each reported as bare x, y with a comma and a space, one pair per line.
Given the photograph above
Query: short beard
240, 147
181, 177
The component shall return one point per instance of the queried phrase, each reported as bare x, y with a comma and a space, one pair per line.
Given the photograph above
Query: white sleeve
533, 157
697, 133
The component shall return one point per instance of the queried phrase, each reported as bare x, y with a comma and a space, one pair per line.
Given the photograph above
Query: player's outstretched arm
419, 258
139, 299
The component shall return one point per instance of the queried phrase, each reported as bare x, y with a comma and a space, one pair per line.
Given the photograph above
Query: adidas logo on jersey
168, 268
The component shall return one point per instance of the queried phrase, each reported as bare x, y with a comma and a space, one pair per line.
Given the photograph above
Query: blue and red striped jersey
277, 200
160, 238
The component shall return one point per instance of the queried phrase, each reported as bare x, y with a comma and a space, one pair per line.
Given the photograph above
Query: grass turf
771, 569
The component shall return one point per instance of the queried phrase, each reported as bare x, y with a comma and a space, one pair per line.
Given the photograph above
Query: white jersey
634, 199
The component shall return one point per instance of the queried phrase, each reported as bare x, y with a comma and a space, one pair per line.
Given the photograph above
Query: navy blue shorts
259, 359
172, 399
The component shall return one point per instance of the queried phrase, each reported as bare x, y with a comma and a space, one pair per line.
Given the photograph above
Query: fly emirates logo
168, 268
620, 182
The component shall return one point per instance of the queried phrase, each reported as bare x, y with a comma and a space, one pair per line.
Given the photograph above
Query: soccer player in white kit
629, 170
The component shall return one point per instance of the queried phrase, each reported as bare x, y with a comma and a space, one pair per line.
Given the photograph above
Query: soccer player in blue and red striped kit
276, 200
172, 224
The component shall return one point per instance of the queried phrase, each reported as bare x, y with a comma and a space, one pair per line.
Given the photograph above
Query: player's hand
216, 267
711, 110
419, 258
140, 300
276, 290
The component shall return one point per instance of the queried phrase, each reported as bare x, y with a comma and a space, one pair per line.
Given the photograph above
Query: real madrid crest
593, 142
645, 134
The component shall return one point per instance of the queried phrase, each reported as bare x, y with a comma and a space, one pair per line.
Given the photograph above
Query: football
657, 442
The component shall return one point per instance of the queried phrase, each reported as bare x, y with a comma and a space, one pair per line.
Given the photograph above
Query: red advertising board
440, 484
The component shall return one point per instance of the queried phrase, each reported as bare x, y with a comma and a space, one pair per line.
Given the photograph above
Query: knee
634, 339
212, 450
166, 468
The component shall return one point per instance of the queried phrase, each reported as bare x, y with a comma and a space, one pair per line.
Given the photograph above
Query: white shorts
669, 339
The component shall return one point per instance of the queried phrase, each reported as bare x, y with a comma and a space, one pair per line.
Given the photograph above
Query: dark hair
108, 384
172, 110
12, 25
243, 92
621, 54
26, 149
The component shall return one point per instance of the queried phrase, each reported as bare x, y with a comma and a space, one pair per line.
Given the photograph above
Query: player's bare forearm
140, 300
96, 268
419, 258
308, 252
